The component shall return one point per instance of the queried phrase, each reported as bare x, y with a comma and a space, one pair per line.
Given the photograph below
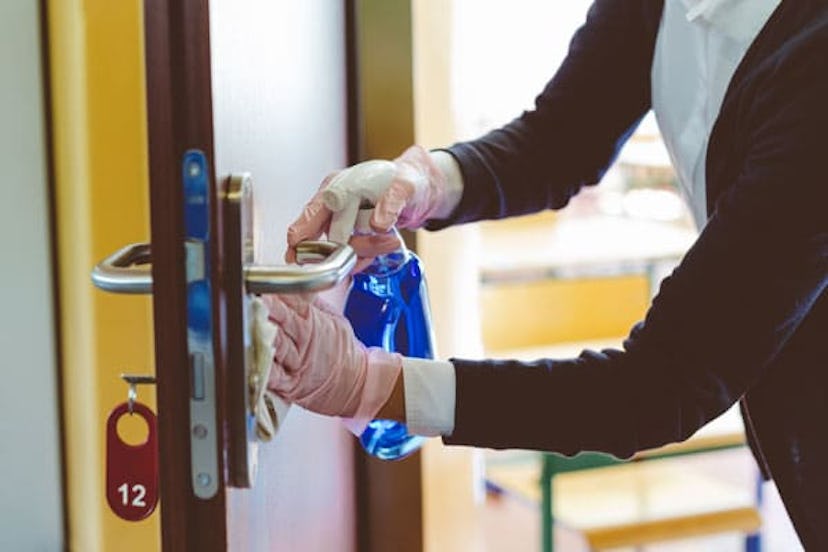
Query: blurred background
74, 141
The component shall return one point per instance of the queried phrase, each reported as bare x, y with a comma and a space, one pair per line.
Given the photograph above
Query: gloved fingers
299, 302
312, 222
286, 353
283, 382
310, 225
333, 300
287, 313
390, 206
376, 244
369, 247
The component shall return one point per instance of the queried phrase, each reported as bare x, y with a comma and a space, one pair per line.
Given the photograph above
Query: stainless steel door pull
125, 271
313, 275
128, 270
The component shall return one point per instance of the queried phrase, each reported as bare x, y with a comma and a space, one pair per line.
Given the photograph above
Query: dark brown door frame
178, 74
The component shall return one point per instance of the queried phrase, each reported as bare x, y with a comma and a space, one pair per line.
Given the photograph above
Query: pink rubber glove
406, 193
319, 363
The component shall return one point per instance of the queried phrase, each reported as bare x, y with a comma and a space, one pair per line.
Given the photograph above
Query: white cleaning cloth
268, 408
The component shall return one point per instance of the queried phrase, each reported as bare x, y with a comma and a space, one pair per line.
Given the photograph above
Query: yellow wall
100, 154
544, 312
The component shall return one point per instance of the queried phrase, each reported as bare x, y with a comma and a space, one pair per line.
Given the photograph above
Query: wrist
449, 170
394, 407
382, 370
430, 393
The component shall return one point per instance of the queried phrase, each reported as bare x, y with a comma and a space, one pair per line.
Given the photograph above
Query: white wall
30, 490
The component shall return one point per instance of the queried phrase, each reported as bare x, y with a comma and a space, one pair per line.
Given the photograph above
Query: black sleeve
717, 323
580, 121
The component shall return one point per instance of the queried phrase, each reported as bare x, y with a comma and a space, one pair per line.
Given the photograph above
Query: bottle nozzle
334, 198
367, 180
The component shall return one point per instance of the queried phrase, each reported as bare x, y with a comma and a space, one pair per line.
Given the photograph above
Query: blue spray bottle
388, 307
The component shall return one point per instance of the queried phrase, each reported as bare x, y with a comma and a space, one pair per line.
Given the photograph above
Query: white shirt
699, 45
698, 48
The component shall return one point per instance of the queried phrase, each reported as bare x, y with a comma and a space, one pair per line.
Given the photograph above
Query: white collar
739, 19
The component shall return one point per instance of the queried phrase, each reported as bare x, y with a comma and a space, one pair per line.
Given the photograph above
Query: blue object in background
388, 308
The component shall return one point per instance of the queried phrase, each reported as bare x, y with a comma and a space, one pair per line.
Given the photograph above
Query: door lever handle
128, 270
325, 264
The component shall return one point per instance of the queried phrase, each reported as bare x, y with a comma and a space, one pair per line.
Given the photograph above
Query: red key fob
131, 470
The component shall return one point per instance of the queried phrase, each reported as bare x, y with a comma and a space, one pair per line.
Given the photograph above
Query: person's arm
580, 121
423, 397
718, 322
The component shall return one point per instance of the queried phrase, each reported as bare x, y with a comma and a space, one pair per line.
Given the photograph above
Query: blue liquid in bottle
388, 308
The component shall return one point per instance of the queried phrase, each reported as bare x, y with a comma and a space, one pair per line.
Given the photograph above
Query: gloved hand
405, 192
320, 365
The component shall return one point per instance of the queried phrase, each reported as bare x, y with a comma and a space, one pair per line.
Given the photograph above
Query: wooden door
256, 86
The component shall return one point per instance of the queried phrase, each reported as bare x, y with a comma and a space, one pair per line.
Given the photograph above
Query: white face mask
699, 46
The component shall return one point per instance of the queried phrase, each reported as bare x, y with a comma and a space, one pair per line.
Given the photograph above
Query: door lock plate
202, 366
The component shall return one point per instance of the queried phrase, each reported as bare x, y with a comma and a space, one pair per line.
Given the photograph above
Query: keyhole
133, 430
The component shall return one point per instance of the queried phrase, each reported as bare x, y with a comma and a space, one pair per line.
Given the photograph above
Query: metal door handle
128, 270
125, 271
335, 264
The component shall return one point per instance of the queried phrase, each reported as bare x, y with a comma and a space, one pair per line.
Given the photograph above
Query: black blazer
744, 315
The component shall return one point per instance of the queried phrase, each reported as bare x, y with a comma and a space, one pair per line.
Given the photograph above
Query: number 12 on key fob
131, 470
